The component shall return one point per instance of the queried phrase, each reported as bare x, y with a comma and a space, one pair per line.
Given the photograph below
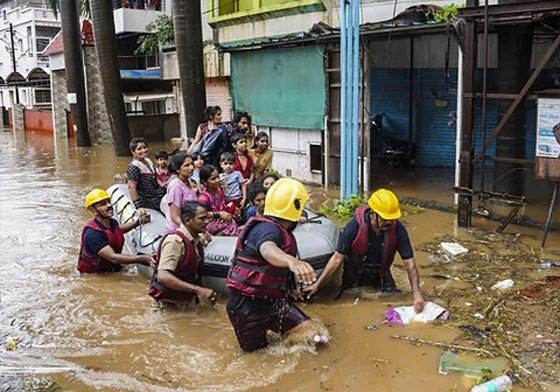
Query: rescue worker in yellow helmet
102, 238
260, 278
367, 247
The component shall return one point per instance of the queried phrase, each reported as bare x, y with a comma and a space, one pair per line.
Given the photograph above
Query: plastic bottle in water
499, 384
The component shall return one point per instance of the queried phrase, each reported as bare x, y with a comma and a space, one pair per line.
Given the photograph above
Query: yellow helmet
286, 199
96, 196
385, 204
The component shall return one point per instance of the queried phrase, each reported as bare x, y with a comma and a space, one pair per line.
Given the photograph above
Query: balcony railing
138, 62
28, 3
148, 5
232, 9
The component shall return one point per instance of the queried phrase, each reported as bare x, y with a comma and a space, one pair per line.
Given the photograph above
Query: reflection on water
102, 332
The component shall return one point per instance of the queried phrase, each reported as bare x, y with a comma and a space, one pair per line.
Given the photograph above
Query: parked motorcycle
391, 151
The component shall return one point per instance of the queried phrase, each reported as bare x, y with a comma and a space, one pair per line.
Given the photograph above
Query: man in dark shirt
102, 238
367, 247
260, 278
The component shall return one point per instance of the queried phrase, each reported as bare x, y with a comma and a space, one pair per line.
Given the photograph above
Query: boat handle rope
140, 239
119, 213
315, 220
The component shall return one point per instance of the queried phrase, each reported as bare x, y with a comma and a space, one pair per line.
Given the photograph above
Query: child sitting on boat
198, 161
233, 183
243, 162
257, 195
162, 172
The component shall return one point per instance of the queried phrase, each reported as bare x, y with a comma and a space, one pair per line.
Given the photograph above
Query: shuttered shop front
217, 93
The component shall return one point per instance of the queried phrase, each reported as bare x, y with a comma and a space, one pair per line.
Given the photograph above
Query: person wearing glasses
367, 247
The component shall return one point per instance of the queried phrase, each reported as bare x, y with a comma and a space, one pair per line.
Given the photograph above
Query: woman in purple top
179, 189
213, 200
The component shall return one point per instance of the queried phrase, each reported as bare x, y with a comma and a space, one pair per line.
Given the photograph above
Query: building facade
24, 68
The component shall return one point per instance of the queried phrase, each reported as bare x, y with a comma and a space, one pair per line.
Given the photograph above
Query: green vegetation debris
447, 13
344, 209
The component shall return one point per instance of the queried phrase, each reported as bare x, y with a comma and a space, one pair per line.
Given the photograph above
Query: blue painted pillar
349, 97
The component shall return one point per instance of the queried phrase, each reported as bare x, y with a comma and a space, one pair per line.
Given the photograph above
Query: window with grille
41, 44
42, 96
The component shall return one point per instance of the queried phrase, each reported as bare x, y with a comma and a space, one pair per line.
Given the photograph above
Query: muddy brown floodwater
92, 333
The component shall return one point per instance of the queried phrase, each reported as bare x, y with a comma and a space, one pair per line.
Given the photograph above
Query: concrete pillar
59, 103
19, 123
98, 118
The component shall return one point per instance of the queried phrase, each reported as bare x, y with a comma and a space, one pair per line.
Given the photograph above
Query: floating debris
454, 249
12, 343
503, 285
471, 366
538, 290
406, 314
503, 324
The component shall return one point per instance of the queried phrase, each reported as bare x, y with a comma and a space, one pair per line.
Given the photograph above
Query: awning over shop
272, 86
141, 73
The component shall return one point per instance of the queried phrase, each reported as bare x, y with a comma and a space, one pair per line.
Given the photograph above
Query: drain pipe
459, 121
326, 151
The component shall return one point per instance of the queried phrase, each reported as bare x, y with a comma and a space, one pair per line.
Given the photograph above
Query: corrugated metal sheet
433, 128
218, 93
435, 133
389, 95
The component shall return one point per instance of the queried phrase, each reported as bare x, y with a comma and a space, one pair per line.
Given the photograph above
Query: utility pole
349, 97
14, 58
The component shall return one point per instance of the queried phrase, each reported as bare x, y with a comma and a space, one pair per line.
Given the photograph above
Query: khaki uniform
172, 250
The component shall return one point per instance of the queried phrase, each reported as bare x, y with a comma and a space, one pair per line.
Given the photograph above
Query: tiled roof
57, 45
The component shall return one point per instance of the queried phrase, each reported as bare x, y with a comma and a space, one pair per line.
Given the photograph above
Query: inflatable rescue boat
316, 240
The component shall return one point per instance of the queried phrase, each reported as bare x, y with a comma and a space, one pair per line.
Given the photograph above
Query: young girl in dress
243, 162
222, 222
198, 161
162, 172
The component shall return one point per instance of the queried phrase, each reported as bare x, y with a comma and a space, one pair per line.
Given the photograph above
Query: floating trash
406, 314
503, 285
453, 248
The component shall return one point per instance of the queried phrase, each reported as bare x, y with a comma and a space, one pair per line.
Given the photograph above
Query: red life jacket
356, 265
187, 271
90, 263
251, 275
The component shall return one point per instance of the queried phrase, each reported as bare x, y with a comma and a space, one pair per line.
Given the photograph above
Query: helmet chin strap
292, 226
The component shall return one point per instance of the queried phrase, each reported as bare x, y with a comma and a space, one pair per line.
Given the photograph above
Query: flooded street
102, 333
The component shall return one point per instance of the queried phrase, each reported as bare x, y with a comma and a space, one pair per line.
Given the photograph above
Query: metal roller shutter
217, 93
